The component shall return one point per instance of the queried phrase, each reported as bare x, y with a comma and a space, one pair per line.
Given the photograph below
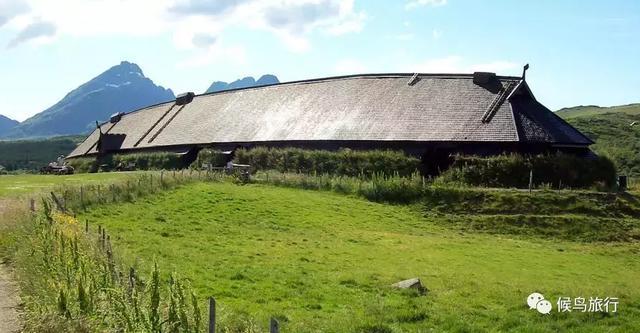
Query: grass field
16, 185
323, 262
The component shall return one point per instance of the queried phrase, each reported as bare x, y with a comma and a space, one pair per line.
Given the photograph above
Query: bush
142, 161
212, 157
83, 164
557, 171
341, 163
150, 161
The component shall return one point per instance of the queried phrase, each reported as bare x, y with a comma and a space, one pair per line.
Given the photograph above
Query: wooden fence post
212, 315
86, 226
132, 277
530, 180
82, 196
58, 203
274, 327
32, 205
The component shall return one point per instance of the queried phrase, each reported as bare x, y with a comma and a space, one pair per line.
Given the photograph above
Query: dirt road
9, 300
9, 294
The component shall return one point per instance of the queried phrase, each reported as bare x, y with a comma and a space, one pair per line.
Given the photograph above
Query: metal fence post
212, 315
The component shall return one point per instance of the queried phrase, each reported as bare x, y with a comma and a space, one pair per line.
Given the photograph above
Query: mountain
121, 88
616, 131
6, 124
243, 83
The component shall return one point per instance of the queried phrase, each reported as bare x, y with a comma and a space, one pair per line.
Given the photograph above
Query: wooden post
530, 180
82, 196
212, 315
86, 226
32, 205
58, 203
132, 277
161, 174
274, 327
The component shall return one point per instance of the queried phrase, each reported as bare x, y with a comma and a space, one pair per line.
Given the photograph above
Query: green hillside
33, 154
616, 131
323, 262
592, 110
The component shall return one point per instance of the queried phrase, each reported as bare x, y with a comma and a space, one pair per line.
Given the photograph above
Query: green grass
611, 129
323, 262
21, 184
592, 110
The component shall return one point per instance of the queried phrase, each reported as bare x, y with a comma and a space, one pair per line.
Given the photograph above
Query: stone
411, 284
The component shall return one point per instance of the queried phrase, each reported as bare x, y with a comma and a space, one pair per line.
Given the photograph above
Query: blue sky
581, 52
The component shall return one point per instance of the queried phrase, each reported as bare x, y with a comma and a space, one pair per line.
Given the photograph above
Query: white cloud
189, 21
9, 9
37, 30
420, 3
456, 64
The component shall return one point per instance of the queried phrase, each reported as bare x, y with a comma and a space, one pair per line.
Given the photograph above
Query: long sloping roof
373, 107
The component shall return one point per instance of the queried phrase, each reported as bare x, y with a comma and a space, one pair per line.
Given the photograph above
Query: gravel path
9, 302
9, 293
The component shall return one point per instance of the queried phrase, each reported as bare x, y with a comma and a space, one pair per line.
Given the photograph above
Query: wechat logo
537, 301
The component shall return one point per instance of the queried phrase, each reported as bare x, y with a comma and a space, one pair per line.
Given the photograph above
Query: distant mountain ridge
6, 124
246, 82
122, 88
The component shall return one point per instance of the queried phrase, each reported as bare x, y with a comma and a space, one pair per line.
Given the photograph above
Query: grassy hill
611, 128
324, 262
33, 154
593, 110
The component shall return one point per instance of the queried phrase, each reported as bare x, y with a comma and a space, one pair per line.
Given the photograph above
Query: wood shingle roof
373, 107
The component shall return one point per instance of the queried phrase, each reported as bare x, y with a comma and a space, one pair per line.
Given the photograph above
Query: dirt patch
9, 292
9, 302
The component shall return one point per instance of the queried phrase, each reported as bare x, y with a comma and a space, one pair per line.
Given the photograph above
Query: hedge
344, 162
143, 161
555, 170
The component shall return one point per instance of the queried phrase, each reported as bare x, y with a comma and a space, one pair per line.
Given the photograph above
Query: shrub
557, 171
142, 161
342, 163
83, 164
215, 158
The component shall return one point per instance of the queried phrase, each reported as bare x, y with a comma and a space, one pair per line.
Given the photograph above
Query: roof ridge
363, 76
